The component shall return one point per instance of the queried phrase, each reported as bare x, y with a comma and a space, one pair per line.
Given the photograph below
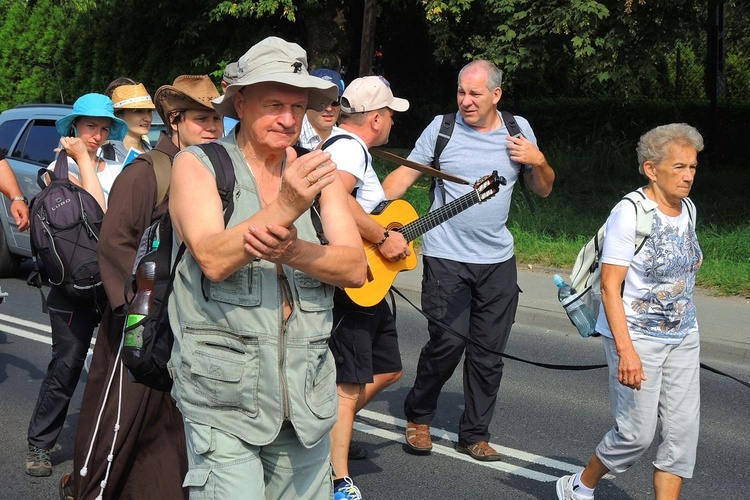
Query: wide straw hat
370, 93
132, 97
186, 92
276, 60
96, 105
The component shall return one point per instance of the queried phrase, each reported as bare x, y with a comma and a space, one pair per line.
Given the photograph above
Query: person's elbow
356, 275
545, 191
212, 267
398, 181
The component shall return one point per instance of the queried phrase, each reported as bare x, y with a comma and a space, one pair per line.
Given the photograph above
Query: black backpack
157, 335
65, 225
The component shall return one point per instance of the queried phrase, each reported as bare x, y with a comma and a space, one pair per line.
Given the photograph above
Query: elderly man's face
271, 113
477, 103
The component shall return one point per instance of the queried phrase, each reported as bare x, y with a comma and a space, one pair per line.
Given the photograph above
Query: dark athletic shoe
357, 452
38, 463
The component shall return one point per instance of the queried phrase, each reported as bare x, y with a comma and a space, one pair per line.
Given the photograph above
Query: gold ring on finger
310, 181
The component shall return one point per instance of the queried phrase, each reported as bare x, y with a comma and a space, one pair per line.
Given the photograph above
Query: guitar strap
444, 135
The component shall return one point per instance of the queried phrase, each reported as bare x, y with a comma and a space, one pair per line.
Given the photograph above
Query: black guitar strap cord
526, 361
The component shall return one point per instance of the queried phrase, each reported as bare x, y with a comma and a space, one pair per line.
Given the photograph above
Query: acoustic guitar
400, 216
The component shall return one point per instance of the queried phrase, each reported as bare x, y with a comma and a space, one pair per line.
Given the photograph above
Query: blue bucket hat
330, 76
98, 105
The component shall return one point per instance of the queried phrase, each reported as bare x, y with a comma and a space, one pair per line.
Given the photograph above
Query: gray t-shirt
478, 234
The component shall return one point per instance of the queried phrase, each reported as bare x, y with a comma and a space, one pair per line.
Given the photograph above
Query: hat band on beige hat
133, 100
132, 97
277, 61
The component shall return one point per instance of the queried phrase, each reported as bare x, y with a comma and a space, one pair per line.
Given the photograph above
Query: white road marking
23, 322
44, 339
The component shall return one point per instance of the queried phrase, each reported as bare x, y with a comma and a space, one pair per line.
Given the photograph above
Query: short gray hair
653, 146
494, 74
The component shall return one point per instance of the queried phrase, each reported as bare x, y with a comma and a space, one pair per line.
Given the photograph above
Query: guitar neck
420, 226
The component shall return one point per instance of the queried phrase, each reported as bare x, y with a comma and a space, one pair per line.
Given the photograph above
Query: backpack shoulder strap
224, 171
688, 203
317, 222
644, 216
335, 138
510, 123
163, 170
225, 181
514, 129
444, 135
108, 152
61, 165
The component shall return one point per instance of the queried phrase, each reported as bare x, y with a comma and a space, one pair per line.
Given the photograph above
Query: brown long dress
149, 456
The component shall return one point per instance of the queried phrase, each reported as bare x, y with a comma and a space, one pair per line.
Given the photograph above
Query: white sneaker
565, 489
346, 490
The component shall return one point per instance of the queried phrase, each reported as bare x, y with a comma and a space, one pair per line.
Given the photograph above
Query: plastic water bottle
142, 305
577, 311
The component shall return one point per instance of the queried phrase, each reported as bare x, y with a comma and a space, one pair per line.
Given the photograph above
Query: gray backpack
65, 225
586, 276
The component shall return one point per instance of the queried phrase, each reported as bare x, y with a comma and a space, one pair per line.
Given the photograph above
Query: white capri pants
670, 392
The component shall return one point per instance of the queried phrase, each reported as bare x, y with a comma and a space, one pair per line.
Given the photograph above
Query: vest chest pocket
242, 288
314, 296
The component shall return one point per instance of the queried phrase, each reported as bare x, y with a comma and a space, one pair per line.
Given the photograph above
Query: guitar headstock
489, 185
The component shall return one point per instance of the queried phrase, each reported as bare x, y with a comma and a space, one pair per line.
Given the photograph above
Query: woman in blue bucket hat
83, 132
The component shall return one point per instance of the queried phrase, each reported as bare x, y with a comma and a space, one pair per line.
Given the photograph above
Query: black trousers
478, 301
72, 329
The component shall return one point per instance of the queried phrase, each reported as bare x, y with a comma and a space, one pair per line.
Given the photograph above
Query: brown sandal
481, 451
418, 437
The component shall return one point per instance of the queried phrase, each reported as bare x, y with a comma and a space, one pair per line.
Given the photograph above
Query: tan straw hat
132, 97
276, 60
186, 92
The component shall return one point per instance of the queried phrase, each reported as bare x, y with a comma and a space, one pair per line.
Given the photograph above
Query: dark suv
28, 138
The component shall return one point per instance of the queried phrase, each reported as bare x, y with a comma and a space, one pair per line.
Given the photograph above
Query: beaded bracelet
385, 237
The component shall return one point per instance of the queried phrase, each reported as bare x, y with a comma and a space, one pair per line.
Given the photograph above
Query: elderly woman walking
649, 325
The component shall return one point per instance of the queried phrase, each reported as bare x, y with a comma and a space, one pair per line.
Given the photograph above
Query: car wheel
9, 263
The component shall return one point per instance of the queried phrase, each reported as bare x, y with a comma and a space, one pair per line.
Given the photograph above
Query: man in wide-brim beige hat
268, 292
276, 60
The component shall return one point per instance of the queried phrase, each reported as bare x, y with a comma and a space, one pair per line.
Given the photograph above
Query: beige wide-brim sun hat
132, 97
279, 61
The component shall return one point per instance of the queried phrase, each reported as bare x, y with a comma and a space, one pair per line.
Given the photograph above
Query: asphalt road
546, 422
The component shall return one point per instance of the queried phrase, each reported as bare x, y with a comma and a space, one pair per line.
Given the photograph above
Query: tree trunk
368, 38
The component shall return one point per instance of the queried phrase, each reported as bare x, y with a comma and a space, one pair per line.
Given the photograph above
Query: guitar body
381, 273
400, 215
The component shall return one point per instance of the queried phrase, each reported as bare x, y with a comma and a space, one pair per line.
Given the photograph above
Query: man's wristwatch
20, 198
